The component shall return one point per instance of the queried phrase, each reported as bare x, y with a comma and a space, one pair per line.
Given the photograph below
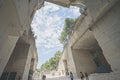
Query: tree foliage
51, 64
67, 29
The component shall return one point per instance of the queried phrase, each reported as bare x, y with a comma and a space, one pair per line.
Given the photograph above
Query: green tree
67, 29
52, 63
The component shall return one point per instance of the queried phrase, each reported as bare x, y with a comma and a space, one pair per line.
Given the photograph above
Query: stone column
19, 61
70, 61
27, 64
65, 65
6, 49
9, 31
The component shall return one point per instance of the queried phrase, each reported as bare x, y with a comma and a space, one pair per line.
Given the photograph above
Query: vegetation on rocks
51, 64
67, 30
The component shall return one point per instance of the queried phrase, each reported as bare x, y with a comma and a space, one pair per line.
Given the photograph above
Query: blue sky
47, 25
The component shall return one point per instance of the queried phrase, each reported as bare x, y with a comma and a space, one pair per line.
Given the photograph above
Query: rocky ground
96, 76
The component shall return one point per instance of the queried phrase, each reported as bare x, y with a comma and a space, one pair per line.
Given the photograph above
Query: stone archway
88, 56
18, 66
17, 61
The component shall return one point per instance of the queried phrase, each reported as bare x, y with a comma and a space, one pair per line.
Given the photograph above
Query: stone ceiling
67, 3
86, 42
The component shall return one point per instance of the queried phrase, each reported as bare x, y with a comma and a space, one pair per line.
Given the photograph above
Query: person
67, 73
86, 76
19, 77
43, 77
81, 76
71, 75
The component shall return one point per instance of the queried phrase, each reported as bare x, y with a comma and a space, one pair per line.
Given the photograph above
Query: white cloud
47, 27
51, 7
76, 11
49, 36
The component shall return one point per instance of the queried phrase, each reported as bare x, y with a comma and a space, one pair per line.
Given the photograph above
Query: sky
47, 25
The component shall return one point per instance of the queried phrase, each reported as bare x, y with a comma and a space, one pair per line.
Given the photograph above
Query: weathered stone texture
107, 33
98, 31
83, 61
15, 20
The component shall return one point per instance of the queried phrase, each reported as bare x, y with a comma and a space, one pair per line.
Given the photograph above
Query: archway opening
88, 56
15, 67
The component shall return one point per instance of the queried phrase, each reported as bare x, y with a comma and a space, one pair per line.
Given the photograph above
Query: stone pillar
14, 20
9, 31
32, 68
6, 49
27, 65
19, 61
65, 65
71, 64
83, 61
107, 33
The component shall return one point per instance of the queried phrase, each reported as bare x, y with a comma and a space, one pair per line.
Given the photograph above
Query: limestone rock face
18, 54
95, 40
